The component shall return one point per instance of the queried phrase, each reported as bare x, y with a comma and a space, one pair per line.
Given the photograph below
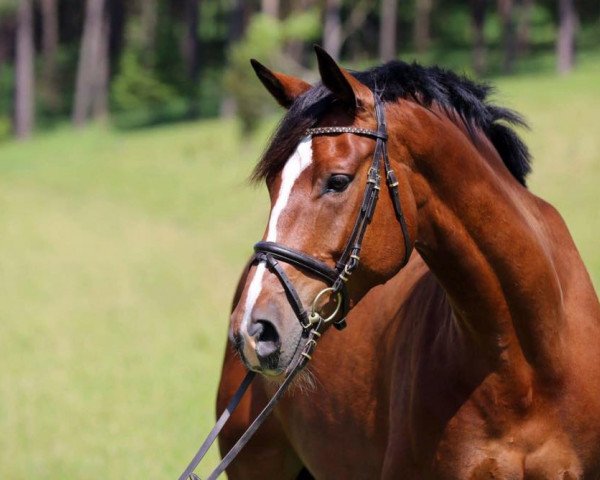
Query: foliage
543, 30
5, 128
151, 82
6, 86
135, 87
8, 6
149, 86
265, 40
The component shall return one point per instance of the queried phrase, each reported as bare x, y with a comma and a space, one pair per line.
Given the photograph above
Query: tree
565, 42
191, 41
7, 27
24, 72
101, 83
332, 30
49, 10
91, 90
295, 48
356, 20
388, 31
421, 33
509, 44
191, 51
478, 8
239, 17
149, 20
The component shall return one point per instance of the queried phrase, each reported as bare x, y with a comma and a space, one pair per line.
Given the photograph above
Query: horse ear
339, 81
284, 88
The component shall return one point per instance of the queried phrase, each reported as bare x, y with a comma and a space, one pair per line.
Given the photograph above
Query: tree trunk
478, 8
240, 15
509, 44
332, 30
192, 42
101, 83
422, 34
116, 21
388, 31
294, 50
24, 72
356, 20
92, 70
523, 33
565, 42
49, 50
149, 18
192, 53
270, 7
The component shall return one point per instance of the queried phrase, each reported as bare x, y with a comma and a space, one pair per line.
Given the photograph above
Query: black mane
423, 85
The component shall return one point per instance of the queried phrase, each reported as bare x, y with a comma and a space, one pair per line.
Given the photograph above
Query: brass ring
338, 304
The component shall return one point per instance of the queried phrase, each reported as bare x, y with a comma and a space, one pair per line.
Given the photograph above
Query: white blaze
292, 170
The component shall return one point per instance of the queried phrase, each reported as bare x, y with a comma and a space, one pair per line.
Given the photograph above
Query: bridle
314, 323
271, 252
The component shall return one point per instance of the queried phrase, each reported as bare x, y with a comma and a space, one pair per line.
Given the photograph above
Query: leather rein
314, 322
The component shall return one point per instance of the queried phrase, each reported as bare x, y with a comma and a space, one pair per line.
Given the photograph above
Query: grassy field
119, 255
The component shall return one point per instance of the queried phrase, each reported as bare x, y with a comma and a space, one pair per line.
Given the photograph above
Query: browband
357, 131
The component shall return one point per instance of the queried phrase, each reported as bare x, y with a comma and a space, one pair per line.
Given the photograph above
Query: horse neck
482, 235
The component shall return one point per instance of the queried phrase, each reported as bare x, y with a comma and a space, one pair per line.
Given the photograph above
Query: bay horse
479, 359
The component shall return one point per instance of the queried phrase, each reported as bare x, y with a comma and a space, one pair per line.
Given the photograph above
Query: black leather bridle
313, 323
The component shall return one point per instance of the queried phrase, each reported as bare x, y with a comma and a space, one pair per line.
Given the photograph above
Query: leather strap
301, 361
293, 370
231, 406
268, 251
290, 290
299, 364
297, 258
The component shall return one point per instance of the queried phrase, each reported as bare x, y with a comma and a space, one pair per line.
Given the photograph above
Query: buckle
373, 176
391, 179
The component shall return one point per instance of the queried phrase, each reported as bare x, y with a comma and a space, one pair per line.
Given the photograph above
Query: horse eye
338, 183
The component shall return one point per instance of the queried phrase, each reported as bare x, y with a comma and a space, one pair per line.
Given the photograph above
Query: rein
314, 323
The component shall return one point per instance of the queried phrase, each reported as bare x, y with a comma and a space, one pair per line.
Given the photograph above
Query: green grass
119, 258
120, 253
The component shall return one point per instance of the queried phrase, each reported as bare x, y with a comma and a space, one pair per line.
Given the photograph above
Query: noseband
313, 323
272, 252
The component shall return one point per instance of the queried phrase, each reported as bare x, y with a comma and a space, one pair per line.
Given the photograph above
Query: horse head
324, 170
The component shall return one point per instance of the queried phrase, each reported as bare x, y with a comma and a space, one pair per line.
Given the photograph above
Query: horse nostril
268, 332
267, 338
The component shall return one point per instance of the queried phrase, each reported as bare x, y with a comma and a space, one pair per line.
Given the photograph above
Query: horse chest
349, 443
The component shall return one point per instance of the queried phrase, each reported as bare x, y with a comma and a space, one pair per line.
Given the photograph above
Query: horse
476, 358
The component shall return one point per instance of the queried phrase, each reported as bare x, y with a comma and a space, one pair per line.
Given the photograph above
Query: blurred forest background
128, 130
138, 63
